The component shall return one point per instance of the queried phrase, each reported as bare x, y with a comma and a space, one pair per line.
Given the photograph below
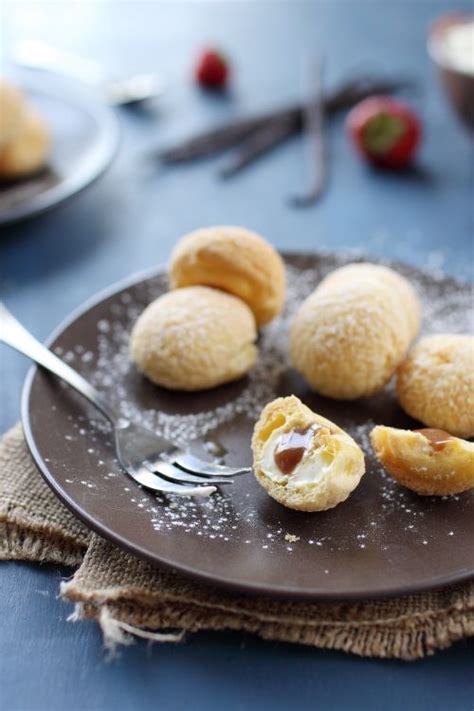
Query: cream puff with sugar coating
303, 460
194, 338
236, 260
435, 384
366, 273
350, 335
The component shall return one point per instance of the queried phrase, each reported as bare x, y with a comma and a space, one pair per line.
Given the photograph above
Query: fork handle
15, 335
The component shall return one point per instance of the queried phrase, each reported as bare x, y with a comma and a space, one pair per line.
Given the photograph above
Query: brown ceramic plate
382, 541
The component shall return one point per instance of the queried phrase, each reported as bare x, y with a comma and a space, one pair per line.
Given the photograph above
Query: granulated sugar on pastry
224, 515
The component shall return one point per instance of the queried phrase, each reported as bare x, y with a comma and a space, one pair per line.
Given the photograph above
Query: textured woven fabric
34, 525
126, 595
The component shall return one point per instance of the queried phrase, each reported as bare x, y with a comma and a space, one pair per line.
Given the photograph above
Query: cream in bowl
451, 46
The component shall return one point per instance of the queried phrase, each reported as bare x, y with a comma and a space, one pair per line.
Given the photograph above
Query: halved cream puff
303, 460
429, 461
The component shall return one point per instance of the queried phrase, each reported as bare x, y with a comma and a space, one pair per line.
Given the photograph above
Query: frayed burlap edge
362, 639
34, 525
406, 628
128, 598
34, 545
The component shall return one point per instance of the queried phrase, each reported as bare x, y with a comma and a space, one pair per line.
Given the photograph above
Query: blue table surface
130, 219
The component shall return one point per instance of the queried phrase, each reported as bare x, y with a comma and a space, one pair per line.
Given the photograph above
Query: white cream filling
314, 465
458, 46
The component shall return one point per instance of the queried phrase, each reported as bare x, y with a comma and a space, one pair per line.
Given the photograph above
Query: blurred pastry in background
428, 461
350, 335
194, 338
26, 153
24, 136
235, 260
435, 384
12, 108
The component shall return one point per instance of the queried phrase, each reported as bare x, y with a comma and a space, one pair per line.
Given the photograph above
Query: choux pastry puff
11, 111
235, 260
349, 336
429, 461
26, 152
303, 460
435, 384
194, 338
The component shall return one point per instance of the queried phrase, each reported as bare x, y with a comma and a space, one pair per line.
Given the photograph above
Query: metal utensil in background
313, 128
118, 92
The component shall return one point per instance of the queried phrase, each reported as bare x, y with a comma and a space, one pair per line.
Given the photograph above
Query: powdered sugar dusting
446, 308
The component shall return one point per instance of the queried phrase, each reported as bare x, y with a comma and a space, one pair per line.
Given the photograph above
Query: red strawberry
212, 70
385, 131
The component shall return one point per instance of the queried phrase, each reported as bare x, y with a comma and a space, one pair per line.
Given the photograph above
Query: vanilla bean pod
260, 141
224, 137
269, 136
280, 124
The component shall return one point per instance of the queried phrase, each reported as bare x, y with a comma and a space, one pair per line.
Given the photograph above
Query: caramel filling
437, 438
292, 446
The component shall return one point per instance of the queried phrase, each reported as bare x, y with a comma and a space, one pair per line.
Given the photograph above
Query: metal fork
151, 460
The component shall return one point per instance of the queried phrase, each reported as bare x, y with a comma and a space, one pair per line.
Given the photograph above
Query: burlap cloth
129, 598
